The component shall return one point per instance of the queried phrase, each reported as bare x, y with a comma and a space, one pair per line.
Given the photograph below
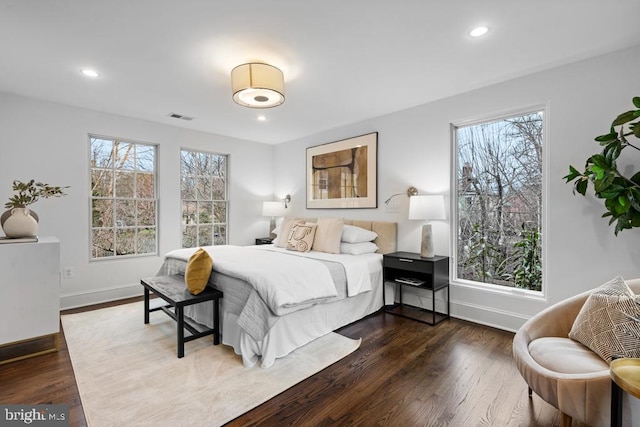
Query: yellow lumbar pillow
196, 276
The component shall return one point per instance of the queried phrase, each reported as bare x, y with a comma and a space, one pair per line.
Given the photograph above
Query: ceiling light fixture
479, 31
90, 73
257, 85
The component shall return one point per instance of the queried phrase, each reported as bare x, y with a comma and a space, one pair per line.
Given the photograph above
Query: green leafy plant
528, 273
621, 194
29, 192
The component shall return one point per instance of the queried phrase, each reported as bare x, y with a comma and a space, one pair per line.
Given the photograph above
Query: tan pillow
285, 230
328, 235
607, 322
301, 237
198, 271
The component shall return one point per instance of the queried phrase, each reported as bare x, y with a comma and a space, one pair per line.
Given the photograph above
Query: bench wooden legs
216, 322
180, 321
172, 290
178, 315
146, 306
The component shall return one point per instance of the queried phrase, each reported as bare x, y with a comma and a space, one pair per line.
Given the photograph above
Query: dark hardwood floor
404, 373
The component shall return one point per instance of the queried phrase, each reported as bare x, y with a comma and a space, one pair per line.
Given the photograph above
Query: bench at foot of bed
172, 289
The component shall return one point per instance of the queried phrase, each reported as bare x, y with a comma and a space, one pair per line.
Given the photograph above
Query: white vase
20, 224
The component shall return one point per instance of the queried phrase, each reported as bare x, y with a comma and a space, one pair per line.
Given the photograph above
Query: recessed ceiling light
261, 118
90, 73
479, 31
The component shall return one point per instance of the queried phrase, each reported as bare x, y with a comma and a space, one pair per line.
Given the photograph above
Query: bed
261, 330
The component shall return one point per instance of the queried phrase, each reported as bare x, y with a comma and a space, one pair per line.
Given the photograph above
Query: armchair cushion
565, 356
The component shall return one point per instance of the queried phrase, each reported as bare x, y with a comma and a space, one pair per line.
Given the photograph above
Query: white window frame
197, 200
490, 287
114, 198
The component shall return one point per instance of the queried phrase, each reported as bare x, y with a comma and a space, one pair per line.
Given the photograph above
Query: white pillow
353, 234
358, 248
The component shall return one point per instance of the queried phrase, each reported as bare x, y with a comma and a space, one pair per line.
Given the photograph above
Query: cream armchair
561, 371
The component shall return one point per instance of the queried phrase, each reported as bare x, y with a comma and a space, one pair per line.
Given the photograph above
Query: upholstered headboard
387, 232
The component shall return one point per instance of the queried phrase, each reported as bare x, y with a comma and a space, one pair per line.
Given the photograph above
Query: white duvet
356, 267
285, 283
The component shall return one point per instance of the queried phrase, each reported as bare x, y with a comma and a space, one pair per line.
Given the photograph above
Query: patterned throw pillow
301, 237
608, 321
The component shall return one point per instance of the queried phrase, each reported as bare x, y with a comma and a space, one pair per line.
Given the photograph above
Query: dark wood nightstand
264, 241
410, 269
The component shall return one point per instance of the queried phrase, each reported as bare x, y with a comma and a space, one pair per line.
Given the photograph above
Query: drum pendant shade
257, 85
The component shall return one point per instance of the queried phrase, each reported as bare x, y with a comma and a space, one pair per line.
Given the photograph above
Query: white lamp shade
272, 209
428, 207
257, 85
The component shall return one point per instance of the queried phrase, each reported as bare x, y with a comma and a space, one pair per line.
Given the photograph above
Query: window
203, 192
123, 198
499, 201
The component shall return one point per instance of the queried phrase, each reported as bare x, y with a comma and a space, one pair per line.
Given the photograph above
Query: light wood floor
405, 373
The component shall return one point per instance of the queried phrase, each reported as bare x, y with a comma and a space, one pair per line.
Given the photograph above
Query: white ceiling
344, 60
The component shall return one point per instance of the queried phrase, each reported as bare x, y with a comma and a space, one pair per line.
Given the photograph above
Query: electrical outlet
68, 272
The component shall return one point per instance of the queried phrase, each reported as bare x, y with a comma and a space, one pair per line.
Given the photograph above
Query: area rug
128, 373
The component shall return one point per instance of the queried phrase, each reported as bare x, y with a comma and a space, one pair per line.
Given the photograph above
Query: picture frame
343, 174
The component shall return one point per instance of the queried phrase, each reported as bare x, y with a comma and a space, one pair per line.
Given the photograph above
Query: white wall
414, 146
49, 142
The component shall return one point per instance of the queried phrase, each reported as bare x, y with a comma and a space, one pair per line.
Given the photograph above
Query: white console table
30, 301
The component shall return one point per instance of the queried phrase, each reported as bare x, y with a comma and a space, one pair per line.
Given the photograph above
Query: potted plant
621, 193
19, 221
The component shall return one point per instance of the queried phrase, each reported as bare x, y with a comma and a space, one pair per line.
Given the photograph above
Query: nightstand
264, 241
425, 274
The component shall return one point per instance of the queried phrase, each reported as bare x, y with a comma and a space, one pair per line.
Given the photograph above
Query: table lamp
272, 209
429, 207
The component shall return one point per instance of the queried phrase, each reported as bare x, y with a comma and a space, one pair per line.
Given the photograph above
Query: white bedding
356, 267
285, 283
265, 336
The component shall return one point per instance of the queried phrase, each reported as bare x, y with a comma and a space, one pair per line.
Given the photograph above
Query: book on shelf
410, 281
5, 239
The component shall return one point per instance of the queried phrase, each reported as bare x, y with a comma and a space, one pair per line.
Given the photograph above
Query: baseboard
97, 296
31, 347
483, 315
488, 316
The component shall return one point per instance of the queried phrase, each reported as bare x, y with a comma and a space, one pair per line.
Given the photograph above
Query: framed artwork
343, 174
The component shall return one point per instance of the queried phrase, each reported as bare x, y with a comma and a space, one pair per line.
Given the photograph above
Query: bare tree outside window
203, 190
499, 201
123, 198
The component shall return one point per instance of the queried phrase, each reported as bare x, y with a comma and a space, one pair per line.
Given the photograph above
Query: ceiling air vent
179, 116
